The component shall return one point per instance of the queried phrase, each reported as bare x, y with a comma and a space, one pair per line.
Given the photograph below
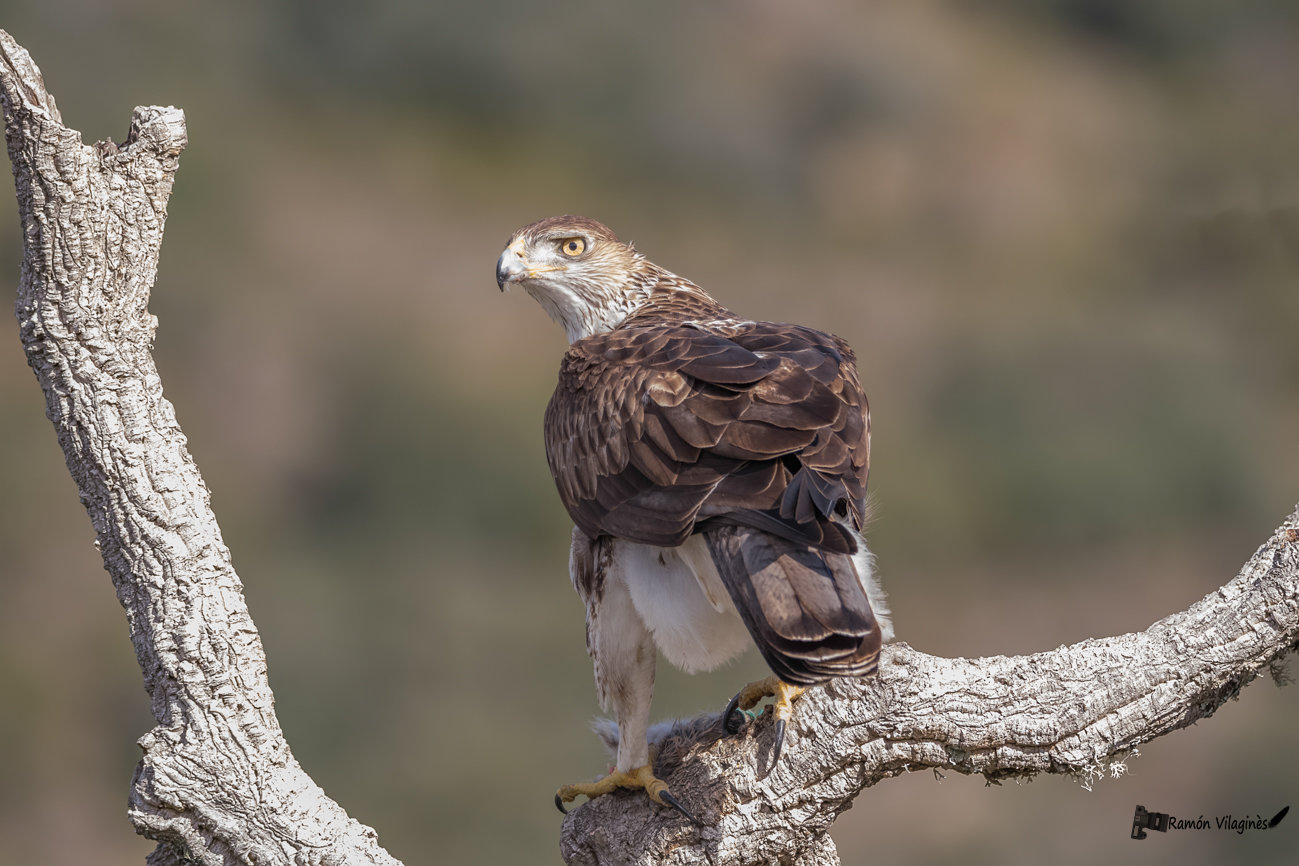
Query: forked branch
218, 783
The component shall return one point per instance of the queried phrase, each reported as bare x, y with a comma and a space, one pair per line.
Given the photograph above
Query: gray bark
217, 782
1079, 710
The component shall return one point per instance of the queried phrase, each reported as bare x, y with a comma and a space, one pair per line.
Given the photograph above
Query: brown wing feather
660, 424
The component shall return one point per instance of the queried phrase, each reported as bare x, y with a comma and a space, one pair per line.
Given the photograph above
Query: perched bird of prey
715, 470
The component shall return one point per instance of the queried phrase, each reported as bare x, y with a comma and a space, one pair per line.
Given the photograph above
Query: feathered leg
623, 653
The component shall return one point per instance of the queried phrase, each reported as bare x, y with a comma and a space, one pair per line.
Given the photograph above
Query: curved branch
217, 782
1078, 710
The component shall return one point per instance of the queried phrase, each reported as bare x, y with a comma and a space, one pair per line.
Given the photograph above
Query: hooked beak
510, 267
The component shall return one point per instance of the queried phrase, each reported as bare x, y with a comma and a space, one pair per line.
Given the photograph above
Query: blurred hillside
1063, 237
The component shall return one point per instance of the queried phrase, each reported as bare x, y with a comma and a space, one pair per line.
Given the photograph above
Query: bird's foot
641, 777
751, 695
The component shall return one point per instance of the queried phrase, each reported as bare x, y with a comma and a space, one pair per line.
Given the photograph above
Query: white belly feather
680, 597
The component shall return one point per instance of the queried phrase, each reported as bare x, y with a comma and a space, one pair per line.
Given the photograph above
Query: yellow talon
782, 707
784, 693
641, 777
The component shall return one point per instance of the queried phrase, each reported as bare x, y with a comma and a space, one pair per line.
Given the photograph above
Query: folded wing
657, 431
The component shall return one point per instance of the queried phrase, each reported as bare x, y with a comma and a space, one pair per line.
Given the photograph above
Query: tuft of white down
864, 561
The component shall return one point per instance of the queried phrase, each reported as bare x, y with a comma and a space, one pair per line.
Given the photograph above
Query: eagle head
578, 270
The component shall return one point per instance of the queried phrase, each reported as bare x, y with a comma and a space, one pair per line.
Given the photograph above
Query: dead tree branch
1078, 710
217, 783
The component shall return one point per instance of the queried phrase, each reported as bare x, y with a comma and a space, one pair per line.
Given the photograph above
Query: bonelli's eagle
715, 470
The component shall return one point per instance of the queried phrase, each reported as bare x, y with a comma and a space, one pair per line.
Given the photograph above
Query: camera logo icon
1143, 821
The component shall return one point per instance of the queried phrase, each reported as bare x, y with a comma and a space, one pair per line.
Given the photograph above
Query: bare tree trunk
217, 783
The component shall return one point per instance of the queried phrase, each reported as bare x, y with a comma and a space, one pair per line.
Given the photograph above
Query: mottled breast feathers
675, 421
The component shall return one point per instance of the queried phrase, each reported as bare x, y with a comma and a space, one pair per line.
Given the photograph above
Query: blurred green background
1063, 237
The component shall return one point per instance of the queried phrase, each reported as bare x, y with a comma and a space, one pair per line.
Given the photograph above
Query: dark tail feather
805, 608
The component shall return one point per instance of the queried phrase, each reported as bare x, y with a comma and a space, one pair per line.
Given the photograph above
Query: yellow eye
572, 247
